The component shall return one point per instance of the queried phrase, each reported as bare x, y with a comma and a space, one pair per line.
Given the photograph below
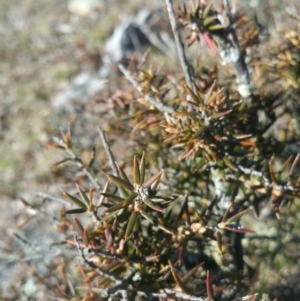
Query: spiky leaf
75, 200
120, 182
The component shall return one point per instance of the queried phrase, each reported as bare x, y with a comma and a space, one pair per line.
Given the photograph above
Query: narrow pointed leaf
150, 204
199, 131
285, 164
123, 174
209, 288
195, 11
168, 215
85, 238
148, 217
102, 197
215, 27
207, 10
209, 20
194, 97
108, 216
242, 137
203, 221
187, 114
78, 226
113, 197
232, 228
210, 42
25, 202
152, 180
191, 272
208, 98
20, 235
230, 164
182, 210
126, 203
219, 242
92, 158
237, 216
247, 143
219, 115
55, 145
177, 279
165, 229
227, 212
272, 175
121, 182
293, 167
75, 211
62, 161
142, 169
131, 223
136, 171
211, 206
83, 195
75, 200
154, 186
68, 141
91, 196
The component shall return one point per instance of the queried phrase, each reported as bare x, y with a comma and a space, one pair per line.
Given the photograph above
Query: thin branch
92, 265
182, 57
150, 98
84, 169
112, 162
78, 161
259, 174
179, 45
121, 285
50, 197
156, 40
231, 53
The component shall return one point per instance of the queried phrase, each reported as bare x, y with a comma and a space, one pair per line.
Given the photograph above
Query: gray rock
128, 37
84, 87
133, 34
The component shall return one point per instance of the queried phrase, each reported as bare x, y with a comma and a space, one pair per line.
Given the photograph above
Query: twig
233, 54
156, 40
181, 54
121, 285
50, 197
92, 265
179, 45
78, 161
150, 98
83, 168
259, 174
112, 162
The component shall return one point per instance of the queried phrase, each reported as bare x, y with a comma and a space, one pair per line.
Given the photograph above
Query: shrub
216, 141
